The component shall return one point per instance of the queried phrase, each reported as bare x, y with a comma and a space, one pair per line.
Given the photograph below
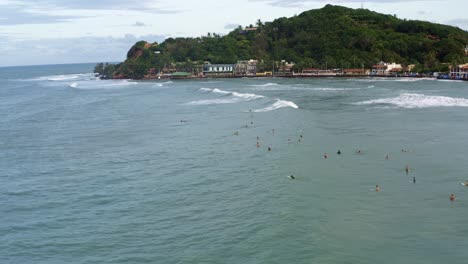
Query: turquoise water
153, 172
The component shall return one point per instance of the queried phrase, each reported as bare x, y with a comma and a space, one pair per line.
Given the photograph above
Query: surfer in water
452, 197
236, 133
325, 156
414, 179
338, 152
407, 169
269, 148
291, 177
377, 188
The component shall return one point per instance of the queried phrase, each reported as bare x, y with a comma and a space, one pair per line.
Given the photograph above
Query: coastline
289, 76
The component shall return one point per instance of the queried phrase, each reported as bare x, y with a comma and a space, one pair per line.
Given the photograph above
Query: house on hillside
247, 30
218, 69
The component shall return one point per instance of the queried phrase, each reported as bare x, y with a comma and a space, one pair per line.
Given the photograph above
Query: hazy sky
68, 31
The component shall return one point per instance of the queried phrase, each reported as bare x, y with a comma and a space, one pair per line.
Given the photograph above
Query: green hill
335, 36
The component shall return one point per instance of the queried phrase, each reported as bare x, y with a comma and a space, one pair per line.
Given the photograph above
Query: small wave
277, 105
371, 86
246, 96
265, 85
214, 101
102, 84
216, 90
411, 100
162, 84
333, 89
67, 77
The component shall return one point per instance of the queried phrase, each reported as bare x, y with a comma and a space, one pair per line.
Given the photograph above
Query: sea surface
122, 171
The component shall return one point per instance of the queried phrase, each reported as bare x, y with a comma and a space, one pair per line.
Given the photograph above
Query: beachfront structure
384, 68
246, 67
285, 67
218, 69
459, 72
361, 71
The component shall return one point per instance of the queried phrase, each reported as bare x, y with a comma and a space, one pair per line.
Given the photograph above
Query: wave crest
277, 105
412, 100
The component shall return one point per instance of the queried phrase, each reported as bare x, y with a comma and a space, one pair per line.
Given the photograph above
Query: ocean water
121, 171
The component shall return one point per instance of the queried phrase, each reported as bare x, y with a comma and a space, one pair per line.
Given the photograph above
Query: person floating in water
377, 188
452, 197
407, 169
414, 179
325, 156
338, 152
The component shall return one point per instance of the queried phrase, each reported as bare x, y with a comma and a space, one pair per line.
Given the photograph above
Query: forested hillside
333, 37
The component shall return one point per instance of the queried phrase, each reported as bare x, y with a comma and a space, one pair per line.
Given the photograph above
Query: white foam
245, 96
216, 90
102, 84
277, 105
163, 84
265, 85
67, 77
214, 101
325, 89
412, 100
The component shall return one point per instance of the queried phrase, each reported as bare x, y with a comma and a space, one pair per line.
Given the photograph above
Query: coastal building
356, 71
285, 67
384, 68
218, 69
459, 72
246, 67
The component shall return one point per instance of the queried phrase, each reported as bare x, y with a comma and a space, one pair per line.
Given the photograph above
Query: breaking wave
246, 96
101, 84
412, 100
214, 101
277, 105
265, 85
67, 77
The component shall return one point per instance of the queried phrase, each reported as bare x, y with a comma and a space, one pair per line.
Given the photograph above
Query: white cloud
71, 50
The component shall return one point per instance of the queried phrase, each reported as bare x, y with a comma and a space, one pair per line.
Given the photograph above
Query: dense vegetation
332, 37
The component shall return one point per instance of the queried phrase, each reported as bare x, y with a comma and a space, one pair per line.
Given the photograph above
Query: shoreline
152, 78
